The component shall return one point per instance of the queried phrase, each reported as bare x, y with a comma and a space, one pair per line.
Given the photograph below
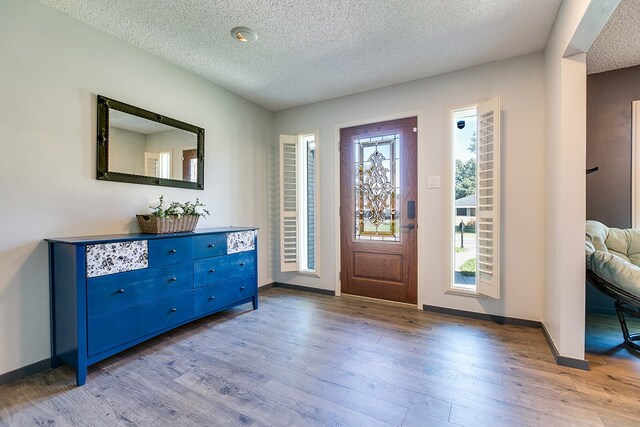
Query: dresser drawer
209, 245
119, 327
241, 241
212, 270
118, 291
110, 258
213, 297
170, 251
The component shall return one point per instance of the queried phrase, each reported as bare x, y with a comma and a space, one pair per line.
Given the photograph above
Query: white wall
520, 84
126, 151
577, 25
51, 69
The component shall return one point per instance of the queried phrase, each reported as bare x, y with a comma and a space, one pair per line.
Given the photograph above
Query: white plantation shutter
289, 187
488, 201
164, 165
152, 164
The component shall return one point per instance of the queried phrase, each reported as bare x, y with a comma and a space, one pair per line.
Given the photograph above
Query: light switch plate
433, 182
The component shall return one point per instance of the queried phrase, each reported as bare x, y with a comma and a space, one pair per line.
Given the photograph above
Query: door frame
635, 164
336, 186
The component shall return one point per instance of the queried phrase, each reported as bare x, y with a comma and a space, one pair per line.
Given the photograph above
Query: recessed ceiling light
244, 34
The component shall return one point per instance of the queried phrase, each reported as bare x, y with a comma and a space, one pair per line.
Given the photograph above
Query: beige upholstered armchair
613, 267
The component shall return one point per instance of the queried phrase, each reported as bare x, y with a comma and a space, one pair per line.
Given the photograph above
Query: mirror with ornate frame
141, 147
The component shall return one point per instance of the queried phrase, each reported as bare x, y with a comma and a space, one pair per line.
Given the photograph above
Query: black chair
626, 303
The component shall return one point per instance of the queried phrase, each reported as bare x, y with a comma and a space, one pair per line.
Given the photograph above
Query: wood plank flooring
304, 359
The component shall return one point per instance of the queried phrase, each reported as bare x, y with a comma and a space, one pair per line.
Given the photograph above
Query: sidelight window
475, 199
157, 164
299, 202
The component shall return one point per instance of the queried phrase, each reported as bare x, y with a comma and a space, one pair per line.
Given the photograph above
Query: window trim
450, 206
488, 287
301, 202
635, 164
303, 195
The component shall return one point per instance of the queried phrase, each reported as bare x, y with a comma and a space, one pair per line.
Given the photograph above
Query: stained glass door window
377, 182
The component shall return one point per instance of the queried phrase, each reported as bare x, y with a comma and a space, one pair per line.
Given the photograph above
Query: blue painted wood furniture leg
81, 375
55, 362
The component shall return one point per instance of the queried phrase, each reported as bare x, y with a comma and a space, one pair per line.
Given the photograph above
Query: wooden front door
189, 165
378, 210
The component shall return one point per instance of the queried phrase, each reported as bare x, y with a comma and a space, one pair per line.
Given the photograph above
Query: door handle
409, 226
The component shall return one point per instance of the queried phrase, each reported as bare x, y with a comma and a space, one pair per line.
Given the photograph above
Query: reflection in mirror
139, 146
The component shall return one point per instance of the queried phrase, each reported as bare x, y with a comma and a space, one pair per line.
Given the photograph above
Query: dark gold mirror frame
103, 173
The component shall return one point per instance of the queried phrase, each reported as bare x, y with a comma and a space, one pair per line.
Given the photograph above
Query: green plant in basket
164, 209
160, 210
197, 209
174, 217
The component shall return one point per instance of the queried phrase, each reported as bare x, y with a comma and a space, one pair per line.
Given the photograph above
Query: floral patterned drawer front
240, 242
112, 258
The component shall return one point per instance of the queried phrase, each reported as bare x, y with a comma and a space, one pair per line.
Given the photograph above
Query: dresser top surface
83, 240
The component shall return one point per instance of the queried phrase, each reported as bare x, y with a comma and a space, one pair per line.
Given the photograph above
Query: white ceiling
311, 50
618, 44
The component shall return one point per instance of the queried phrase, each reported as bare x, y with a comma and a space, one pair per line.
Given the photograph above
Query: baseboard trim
265, 287
502, 320
298, 288
569, 362
25, 371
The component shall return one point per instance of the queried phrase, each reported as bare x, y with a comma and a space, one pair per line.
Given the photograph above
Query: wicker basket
171, 224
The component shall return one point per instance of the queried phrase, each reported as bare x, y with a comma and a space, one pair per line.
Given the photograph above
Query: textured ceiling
618, 44
309, 50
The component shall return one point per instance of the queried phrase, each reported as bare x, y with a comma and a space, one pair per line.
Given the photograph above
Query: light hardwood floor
305, 359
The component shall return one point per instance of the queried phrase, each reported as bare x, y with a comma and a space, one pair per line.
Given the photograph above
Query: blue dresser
109, 293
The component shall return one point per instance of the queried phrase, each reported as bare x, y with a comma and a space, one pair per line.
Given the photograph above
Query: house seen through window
475, 199
464, 232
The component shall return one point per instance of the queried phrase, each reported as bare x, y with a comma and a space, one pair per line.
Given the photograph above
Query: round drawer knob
211, 245
242, 264
242, 288
121, 291
212, 298
213, 270
172, 251
173, 279
173, 310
